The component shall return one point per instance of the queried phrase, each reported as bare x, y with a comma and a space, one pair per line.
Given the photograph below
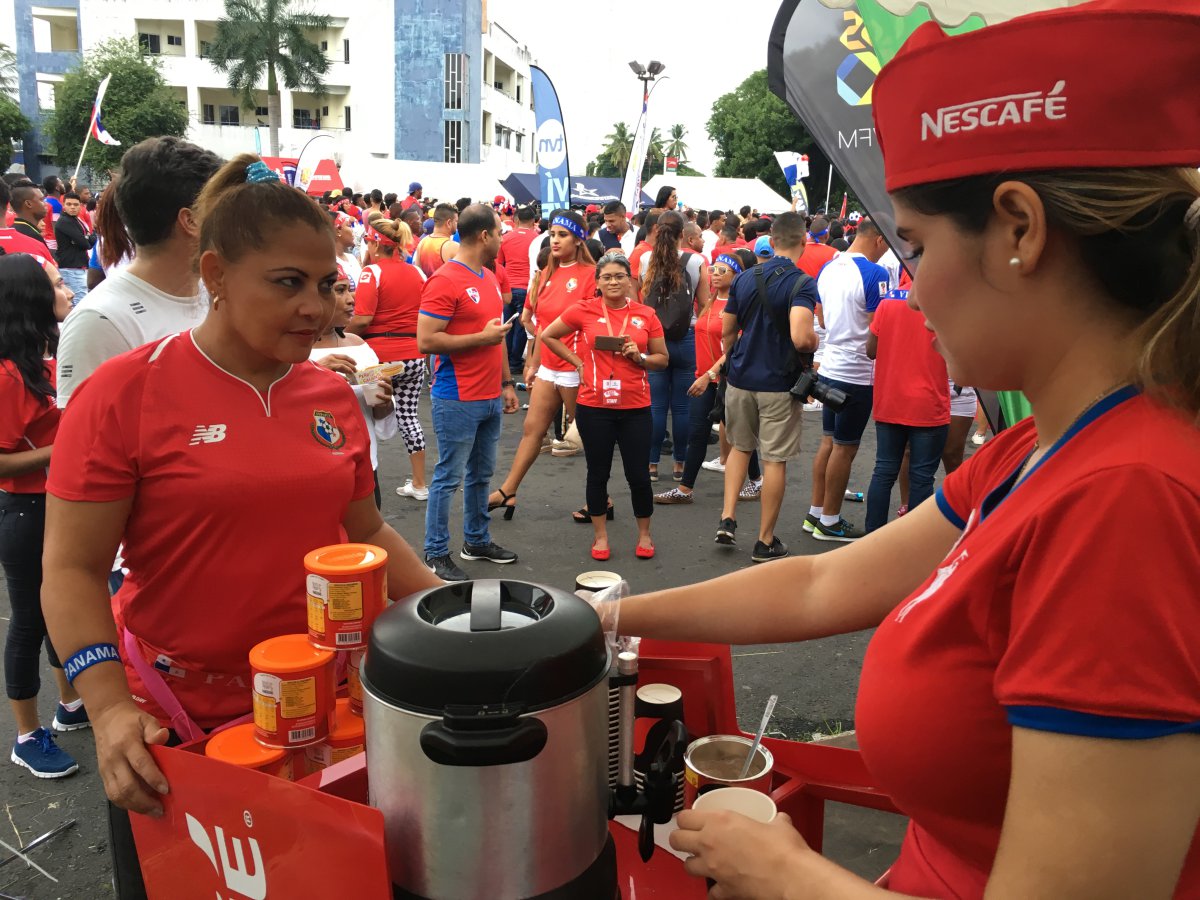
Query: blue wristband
88, 657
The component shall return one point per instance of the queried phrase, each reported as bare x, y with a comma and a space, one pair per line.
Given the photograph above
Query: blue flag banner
550, 144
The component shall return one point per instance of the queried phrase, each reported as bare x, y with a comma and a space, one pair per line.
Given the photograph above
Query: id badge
611, 391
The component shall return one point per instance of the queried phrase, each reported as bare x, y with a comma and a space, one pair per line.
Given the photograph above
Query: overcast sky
585, 48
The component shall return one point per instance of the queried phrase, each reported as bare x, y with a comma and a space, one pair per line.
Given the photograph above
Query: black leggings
699, 428
22, 527
601, 429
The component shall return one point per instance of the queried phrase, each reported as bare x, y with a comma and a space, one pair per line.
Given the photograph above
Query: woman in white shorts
568, 278
963, 404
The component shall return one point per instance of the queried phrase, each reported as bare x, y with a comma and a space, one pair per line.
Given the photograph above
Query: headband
819, 233
731, 262
258, 172
1040, 92
342, 276
570, 225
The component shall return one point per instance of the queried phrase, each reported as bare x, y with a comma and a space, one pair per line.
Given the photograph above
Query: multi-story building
429, 80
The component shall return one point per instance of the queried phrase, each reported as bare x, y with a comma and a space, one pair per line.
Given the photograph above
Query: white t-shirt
121, 314
349, 262
891, 262
851, 287
710, 242
381, 429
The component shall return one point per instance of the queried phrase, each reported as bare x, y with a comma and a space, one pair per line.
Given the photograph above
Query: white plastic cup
751, 804
372, 392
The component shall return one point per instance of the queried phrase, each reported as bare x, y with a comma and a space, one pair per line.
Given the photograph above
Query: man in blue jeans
461, 323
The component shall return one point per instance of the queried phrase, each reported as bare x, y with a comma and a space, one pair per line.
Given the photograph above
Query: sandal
581, 516
510, 509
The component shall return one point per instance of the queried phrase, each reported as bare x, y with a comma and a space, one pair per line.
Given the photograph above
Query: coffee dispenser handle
508, 740
486, 602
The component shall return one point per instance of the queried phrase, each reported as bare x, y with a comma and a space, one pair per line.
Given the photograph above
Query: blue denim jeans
668, 392
468, 433
515, 339
925, 454
76, 280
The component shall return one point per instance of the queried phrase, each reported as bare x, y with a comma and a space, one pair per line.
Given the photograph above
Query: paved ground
817, 682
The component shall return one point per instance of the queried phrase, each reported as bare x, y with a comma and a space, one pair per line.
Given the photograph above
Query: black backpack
674, 311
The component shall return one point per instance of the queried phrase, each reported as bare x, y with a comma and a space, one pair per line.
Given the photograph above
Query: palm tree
8, 71
268, 35
618, 146
676, 147
654, 151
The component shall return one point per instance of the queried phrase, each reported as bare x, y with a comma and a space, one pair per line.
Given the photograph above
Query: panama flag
98, 131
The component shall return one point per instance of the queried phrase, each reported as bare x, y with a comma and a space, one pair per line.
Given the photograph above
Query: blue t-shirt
761, 360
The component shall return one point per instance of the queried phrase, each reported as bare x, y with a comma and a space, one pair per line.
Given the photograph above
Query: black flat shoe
581, 517
510, 509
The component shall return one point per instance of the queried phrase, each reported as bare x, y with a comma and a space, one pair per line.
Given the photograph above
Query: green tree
269, 37
749, 124
675, 145
618, 145
8, 71
138, 105
13, 126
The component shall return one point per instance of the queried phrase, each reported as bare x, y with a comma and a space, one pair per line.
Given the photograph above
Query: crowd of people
181, 412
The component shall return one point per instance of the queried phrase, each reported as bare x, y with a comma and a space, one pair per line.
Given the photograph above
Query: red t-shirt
27, 422
567, 286
592, 317
1040, 617
911, 386
635, 259
48, 225
230, 489
514, 254
502, 279
708, 337
468, 300
12, 241
390, 291
814, 258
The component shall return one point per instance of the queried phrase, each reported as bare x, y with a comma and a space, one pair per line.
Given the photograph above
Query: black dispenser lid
485, 643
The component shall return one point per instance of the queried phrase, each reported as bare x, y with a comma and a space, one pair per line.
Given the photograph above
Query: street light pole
645, 74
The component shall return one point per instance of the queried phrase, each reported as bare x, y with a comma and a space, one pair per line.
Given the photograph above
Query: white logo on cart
238, 879
207, 434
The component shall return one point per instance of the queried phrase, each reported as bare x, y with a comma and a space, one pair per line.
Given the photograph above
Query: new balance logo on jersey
207, 434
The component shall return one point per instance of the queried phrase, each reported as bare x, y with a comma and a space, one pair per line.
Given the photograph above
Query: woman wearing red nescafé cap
1031, 696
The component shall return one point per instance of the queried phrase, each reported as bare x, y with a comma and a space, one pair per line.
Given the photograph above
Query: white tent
441, 181
721, 193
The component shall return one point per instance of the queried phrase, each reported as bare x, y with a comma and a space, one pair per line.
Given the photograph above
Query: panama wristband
88, 657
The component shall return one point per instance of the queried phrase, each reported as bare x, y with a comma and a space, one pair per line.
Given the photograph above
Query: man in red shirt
29, 205
14, 241
911, 404
461, 323
514, 256
816, 253
413, 200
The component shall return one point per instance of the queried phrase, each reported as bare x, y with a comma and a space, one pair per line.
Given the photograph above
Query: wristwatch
509, 383
643, 356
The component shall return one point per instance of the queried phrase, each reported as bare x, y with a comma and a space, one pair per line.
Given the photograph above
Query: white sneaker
409, 491
716, 429
815, 406
713, 465
978, 439
565, 448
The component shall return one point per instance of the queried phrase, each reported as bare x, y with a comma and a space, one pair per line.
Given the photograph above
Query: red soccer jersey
708, 337
636, 259
390, 292
911, 386
12, 241
814, 258
568, 285
502, 279
514, 254
27, 422
610, 380
1038, 618
467, 300
230, 489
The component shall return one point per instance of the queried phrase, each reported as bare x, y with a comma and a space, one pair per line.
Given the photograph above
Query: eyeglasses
719, 270
618, 276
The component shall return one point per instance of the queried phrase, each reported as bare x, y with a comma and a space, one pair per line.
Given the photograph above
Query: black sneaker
444, 568
811, 522
726, 532
490, 552
762, 553
843, 531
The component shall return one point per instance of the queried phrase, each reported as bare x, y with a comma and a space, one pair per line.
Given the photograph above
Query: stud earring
1015, 261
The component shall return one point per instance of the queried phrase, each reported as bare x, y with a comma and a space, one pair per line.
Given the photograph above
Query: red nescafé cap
1107, 84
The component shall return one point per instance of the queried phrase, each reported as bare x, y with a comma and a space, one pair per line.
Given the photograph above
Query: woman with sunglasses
567, 280
704, 390
613, 342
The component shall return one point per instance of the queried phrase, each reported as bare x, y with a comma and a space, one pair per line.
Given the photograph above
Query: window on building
518, 92
262, 112
174, 40
208, 114
346, 50
324, 110
456, 64
346, 113
230, 115
302, 118
205, 49
520, 135
324, 46
453, 130
150, 43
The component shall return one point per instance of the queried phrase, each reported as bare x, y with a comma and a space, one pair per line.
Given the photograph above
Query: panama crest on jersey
325, 429
473, 293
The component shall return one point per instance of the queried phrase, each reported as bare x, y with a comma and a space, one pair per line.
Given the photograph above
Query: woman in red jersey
385, 314
569, 278
614, 400
201, 452
1039, 616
